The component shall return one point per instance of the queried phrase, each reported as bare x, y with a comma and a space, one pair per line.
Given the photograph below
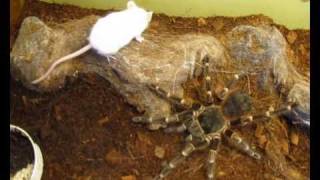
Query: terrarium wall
294, 14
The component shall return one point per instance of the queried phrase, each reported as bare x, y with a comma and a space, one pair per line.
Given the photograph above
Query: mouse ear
131, 4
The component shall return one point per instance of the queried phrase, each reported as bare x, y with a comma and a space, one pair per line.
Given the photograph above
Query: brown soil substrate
85, 130
21, 152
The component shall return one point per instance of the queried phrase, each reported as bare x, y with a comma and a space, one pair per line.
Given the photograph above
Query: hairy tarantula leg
179, 129
244, 120
187, 150
178, 117
235, 140
208, 81
181, 103
195, 128
211, 162
224, 92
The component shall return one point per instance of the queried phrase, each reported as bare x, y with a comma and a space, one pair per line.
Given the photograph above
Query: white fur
116, 30
110, 34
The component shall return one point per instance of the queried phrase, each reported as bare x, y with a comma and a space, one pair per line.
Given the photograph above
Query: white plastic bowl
38, 159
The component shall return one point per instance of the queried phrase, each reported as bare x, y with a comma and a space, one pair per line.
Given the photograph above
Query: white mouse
110, 34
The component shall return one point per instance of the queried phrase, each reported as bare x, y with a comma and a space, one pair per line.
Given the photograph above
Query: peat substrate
21, 152
85, 130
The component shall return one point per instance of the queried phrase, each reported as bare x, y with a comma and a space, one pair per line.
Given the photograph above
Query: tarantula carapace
207, 123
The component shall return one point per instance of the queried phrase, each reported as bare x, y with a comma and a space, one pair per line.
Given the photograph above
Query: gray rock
263, 50
254, 44
38, 45
167, 59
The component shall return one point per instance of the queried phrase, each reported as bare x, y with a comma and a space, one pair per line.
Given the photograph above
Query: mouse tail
61, 60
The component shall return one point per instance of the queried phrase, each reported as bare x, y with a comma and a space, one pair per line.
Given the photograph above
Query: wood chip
285, 147
291, 37
293, 174
25, 101
159, 152
57, 112
221, 174
294, 138
259, 130
114, 157
262, 141
201, 22
130, 177
218, 24
144, 138
303, 50
103, 121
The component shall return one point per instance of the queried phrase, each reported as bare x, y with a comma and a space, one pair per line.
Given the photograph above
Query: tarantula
208, 123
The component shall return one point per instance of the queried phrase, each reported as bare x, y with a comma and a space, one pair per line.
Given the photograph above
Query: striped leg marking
187, 150
211, 162
181, 103
208, 81
235, 140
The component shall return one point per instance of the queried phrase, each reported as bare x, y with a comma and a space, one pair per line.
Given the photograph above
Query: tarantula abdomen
237, 104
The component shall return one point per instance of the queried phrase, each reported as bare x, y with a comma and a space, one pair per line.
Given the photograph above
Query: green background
294, 14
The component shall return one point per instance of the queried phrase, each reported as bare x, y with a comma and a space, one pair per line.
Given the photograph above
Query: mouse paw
139, 38
109, 57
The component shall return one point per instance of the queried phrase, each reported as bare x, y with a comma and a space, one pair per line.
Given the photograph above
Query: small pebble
159, 152
221, 173
294, 138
